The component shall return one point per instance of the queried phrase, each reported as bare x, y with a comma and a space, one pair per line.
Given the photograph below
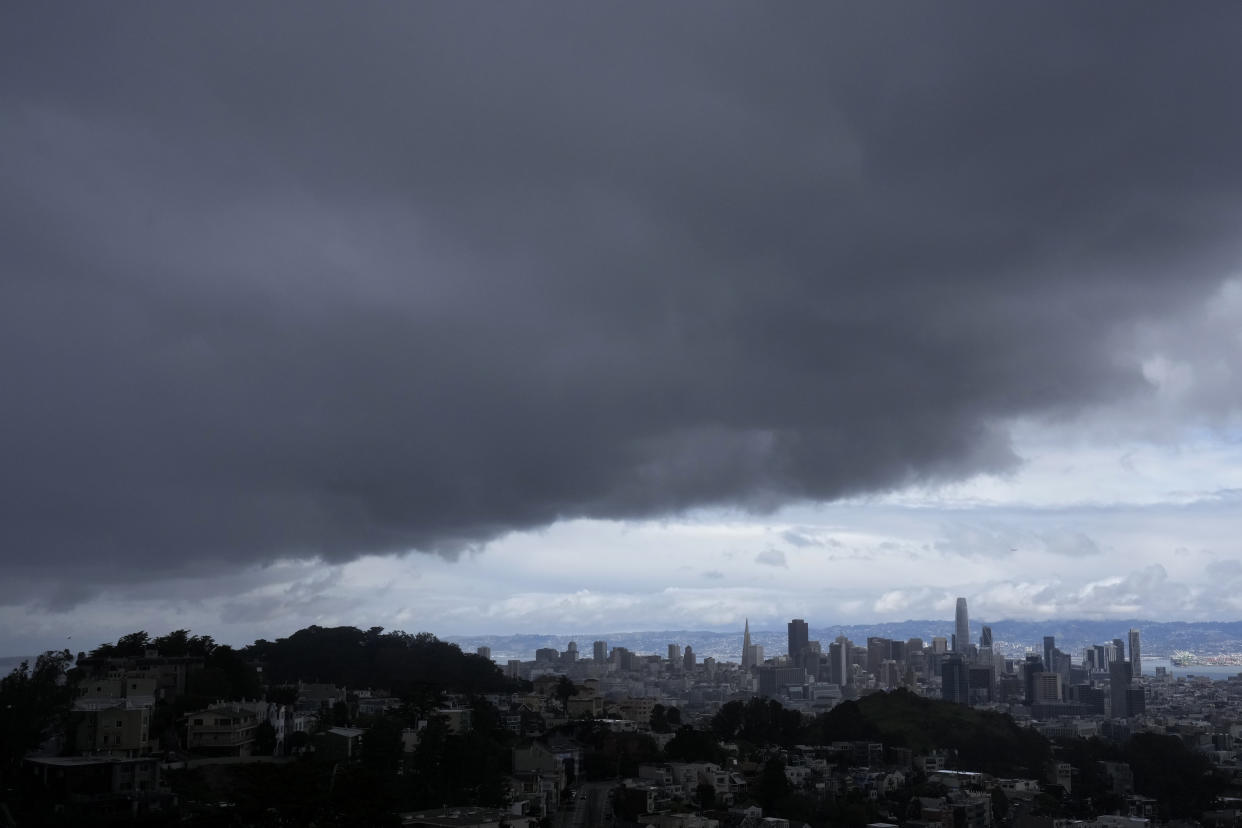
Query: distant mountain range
1009, 636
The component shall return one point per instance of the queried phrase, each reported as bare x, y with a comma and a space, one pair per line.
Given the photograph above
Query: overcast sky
566, 317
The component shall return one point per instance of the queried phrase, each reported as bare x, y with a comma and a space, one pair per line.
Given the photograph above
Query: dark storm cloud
329, 279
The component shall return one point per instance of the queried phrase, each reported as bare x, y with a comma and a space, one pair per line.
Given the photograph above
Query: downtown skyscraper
799, 638
747, 652
961, 630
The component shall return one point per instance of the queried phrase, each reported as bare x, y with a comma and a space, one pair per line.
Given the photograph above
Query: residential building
98, 790
110, 727
341, 744
225, 729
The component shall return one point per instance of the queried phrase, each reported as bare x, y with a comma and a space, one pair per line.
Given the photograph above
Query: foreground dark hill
975, 740
397, 661
982, 740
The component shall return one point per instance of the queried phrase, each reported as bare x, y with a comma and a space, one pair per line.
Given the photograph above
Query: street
590, 809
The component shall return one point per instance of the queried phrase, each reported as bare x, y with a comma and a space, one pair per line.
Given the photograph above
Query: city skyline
612, 318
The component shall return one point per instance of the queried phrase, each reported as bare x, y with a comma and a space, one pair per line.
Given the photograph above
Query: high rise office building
1033, 665
985, 637
1047, 687
877, 651
484, 652
1050, 644
961, 628
839, 652
1136, 654
982, 682
1061, 665
601, 652
688, 659
799, 637
674, 652
955, 680
1099, 656
1119, 689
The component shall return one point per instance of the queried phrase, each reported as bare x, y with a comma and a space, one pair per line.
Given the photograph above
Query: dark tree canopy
33, 702
759, 721
348, 656
983, 740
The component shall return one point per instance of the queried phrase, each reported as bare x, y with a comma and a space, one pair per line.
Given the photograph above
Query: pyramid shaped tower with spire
746, 651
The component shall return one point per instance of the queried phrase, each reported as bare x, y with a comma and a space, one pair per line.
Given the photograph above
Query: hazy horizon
585, 636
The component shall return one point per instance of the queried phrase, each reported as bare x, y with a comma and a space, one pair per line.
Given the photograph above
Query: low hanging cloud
772, 557
382, 278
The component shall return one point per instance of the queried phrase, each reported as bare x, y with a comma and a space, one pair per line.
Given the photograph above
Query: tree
728, 720
1047, 805
264, 738
133, 645
381, 746
564, 690
33, 703
176, 643
690, 745
179, 643
773, 785
659, 720
1000, 806
225, 675
705, 793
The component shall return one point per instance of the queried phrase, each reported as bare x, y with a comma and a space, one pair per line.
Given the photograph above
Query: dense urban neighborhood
342, 726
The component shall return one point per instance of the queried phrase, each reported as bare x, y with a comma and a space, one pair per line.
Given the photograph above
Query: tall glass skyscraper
1136, 659
961, 630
